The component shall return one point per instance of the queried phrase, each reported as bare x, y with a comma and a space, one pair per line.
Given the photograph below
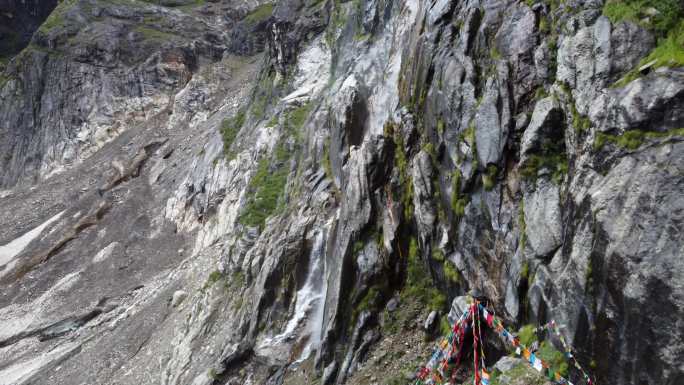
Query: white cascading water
308, 305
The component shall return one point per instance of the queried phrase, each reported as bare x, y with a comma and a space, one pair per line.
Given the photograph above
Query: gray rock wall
487, 133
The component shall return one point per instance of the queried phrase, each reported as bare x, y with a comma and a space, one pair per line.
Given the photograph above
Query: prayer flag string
448, 352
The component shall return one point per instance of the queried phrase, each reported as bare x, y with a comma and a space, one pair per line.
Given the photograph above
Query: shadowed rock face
222, 192
18, 21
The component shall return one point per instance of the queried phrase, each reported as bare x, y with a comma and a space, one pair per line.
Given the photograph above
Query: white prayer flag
538, 365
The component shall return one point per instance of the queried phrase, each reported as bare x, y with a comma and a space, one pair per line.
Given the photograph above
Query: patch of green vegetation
553, 52
259, 106
660, 16
458, 200
469, 134
3, 79
262, 95
494, 52
401, 162
589, 279
429, 148
557, 163
266, 187
229, 130
368, 302
551, 157
212, 374
274, 121
418, 282
633, 139
444, 326
540, 93
441, 211
153, 34
194, 4
57, 17
437, 255
495, 377
314, 3
392, 322
338, 18
489, 177
552, 356
214, 277
325, 161
440, 125
665, 19
525, 271
451, 273
668, 53
522, 225
357, 247
361, 36
260, 14
544, 25
479, 100
238, 279
420, 104
527, 335
297, 117
579, 122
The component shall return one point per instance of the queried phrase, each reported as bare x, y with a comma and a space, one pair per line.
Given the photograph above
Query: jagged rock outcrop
226, 192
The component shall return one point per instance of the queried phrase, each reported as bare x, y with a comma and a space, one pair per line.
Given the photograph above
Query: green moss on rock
266, 187
489, 177
260, 13
633, 139
229, 130
419, 285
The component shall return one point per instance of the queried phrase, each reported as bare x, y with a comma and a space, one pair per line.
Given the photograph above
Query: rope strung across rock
553, 327
447, 354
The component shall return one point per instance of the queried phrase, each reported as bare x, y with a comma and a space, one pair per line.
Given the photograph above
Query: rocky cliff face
228, 192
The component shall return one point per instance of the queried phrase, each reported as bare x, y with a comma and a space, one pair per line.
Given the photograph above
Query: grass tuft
633, 139
418, 282
266, 187
489, 177
665, 19
458, 200
527, 335
660, 16
451, 273
556, 163
260, 14
229, 130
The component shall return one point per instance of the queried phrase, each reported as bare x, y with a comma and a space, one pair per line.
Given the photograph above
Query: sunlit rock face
223, 192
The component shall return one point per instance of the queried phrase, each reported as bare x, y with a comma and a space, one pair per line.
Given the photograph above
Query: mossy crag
229, 130
418, 282
665, 18
633, 139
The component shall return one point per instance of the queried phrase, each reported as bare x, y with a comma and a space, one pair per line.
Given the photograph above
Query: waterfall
308, 313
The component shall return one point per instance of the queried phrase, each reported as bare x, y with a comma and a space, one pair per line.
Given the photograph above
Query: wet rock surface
228, 192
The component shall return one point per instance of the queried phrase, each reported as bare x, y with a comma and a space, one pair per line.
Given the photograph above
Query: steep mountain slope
236, 192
